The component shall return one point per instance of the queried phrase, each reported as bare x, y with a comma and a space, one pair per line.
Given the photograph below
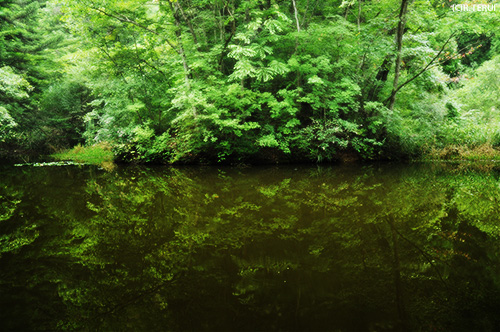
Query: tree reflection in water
341, 248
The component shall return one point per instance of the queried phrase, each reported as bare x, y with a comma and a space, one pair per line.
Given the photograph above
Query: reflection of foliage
478, 201
18, 237
325, 248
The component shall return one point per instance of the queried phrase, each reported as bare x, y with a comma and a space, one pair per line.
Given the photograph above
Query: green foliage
144, 146
13, 90
28, 35
213, 126
327, 141
7, 123
480, 90
13, 86
183, 81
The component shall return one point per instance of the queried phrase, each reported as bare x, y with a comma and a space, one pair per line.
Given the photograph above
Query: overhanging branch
423, 70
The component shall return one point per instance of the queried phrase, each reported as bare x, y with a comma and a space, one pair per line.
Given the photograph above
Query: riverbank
103, 153
484, 152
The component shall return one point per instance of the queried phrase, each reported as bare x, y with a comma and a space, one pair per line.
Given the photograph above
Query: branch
426, 256
424, 69
125, 19
114, 62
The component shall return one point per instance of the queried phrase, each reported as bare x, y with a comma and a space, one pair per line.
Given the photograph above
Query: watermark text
474, 7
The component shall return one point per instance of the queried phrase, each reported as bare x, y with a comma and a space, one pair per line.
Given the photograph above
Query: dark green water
340, 248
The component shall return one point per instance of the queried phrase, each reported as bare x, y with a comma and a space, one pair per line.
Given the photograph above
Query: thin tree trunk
228, 40
380, 78
188, 22
299, 83
399, 44
296, 15
187, 72
178, 33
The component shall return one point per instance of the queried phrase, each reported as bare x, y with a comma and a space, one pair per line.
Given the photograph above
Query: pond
378, 247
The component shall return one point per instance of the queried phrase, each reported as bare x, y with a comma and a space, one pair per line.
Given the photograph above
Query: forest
231, 81
99, 97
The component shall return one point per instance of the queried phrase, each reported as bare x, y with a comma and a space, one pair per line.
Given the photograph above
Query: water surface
337, 248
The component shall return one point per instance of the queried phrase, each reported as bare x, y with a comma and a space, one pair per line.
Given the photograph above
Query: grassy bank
98, 154
483, 152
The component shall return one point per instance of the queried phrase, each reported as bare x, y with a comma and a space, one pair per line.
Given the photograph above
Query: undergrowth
463, 152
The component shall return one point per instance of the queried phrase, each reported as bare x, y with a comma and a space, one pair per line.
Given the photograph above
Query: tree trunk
380, 78
399, 44
296, 15
188, 22
178, 33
